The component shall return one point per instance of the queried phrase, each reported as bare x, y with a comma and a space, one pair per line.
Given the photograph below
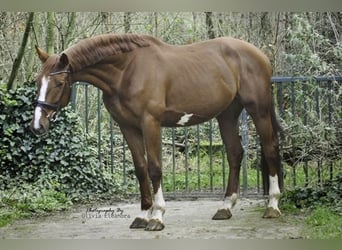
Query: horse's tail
278, 131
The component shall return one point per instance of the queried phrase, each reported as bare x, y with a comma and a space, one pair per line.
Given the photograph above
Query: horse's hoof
139, 223
154, 225
271, 213
222, 214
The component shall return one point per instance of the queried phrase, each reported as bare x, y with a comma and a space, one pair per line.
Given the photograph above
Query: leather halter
55, 107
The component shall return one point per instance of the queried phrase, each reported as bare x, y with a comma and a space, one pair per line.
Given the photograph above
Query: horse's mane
92, 50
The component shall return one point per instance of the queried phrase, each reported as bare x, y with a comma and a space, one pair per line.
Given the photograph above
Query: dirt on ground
189, 219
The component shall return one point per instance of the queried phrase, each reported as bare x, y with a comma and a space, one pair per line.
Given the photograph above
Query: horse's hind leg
229, 129
266, 125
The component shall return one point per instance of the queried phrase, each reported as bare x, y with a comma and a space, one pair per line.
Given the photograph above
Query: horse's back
248, 53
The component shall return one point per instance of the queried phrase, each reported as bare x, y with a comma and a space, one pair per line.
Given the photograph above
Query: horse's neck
102, 76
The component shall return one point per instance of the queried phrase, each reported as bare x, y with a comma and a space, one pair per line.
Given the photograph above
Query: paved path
183, 219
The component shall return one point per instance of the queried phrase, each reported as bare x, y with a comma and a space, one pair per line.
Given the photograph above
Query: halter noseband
59, 72
55, 107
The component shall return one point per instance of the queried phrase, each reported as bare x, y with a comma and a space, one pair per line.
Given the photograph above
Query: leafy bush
64, 161
310, 52
328, 194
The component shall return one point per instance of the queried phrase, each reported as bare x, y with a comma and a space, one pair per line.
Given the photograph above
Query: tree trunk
127, 22
250, 26
49, 36
288, 25
220, 25
21, 52
71, 27
209, 25
155, 16
265, 30
31, 54
194, 28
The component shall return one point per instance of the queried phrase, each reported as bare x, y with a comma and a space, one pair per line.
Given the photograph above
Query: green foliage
323, 223
27, 199
328, 194
316, 141
324, 204
64, 161
310, 52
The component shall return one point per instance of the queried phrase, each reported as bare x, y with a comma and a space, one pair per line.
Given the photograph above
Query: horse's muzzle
42, 130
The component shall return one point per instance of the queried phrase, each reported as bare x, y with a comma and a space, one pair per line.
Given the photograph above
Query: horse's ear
43, 56
64, 60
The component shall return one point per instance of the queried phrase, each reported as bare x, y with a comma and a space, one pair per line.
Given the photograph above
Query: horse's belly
180, 119
196, 105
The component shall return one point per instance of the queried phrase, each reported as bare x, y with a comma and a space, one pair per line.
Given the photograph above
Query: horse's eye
58, 84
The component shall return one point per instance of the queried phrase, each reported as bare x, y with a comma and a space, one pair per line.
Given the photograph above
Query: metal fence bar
319, 174
293, 100
174, 160
306, 170
245, 143
223, 168
111, 145
99, 118
186, 164
86, 108
211, 154
330, 112
198, 155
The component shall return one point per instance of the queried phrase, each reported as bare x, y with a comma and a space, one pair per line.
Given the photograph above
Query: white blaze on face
41, 97
274, 192
37, 115
43, 89
184, 119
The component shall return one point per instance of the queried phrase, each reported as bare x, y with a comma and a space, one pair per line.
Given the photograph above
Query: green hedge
65, 160
328, 194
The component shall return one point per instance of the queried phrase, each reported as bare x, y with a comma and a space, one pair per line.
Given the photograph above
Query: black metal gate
194, 161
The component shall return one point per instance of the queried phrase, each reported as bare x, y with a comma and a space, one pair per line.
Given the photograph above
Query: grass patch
323, 223
29, 201
322, 207
191, 174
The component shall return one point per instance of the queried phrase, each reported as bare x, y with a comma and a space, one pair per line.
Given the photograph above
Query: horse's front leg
152, 139
229, 129
135, 142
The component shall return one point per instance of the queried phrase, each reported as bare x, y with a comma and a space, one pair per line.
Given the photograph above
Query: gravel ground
183, 219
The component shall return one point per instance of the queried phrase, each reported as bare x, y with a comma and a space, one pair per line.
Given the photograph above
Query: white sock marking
41, 97
229, 202
184, 119
158, 205
157, 210
274, 192
145, 214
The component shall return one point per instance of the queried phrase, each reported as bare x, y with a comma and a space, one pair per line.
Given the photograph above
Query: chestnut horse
148, 84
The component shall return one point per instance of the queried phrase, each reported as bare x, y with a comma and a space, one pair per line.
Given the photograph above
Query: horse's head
54, 90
